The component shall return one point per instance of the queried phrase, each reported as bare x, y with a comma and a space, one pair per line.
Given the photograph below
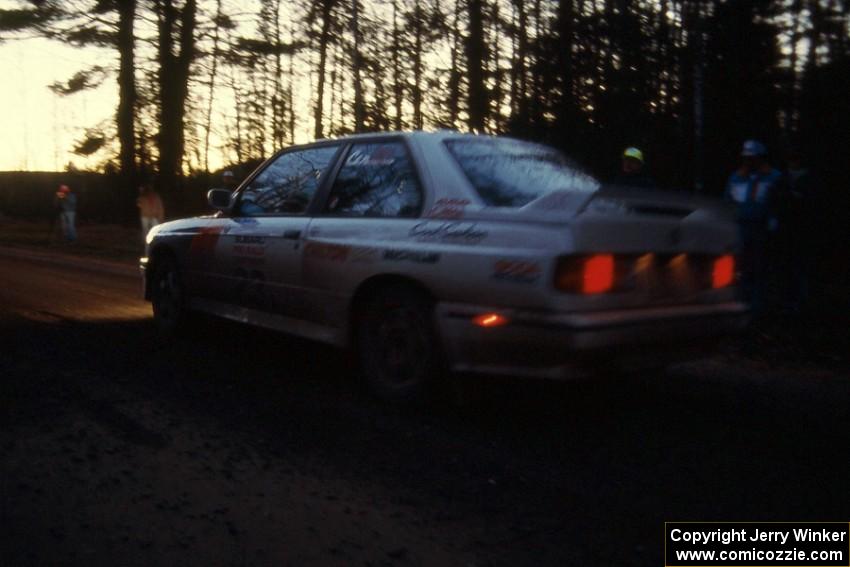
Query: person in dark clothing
632, 173
754, 189
65, 202
798, 227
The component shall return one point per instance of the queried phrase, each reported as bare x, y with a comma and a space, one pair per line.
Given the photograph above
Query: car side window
377, 179
287, 185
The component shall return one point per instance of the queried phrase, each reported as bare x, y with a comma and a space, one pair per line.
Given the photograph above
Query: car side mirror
219, 199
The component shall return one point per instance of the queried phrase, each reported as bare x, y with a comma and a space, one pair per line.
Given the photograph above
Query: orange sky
38, 127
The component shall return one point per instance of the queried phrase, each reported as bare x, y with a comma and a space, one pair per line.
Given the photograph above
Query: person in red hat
65, 203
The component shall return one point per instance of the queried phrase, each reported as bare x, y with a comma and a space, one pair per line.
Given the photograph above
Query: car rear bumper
564, 345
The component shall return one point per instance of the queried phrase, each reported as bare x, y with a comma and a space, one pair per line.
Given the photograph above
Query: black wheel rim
401, 347
168, 297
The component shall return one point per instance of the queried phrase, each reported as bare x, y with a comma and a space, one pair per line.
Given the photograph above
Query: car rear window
511, 173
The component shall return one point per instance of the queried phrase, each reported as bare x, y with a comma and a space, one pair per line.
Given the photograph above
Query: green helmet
633, 153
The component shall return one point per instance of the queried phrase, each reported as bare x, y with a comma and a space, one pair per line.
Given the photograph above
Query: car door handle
292, 234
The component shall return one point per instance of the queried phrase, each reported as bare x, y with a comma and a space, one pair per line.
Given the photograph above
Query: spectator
754, 189
632, 170
797, 231
151, 212
65, 203
229, 181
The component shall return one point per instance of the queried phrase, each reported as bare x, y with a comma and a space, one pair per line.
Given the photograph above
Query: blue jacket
66, 204
754, 194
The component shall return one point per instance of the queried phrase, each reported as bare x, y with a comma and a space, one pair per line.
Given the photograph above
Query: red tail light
598, 274
723, 271
586, 274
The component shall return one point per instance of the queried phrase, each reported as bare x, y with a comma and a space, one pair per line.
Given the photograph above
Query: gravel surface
237, 446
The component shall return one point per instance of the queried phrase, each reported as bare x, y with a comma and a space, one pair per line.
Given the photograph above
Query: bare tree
475, 56
175, 52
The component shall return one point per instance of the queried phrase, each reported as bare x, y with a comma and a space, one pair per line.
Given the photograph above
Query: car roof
413, 134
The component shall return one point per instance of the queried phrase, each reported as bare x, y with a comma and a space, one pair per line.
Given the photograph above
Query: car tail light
585, 274
723, 271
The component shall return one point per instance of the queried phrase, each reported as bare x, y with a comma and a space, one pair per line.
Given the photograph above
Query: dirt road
243, 447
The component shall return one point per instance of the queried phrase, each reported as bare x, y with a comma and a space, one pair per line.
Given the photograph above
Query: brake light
598, 274
723, 271
586, 274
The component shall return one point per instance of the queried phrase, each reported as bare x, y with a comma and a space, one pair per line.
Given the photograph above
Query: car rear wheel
397, 345
168, 297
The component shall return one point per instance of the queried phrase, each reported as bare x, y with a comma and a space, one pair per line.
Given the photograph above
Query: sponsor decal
363, 255
416, 256
205, 240
382, 155
328, 252
247, 250
516, 271
448, 209
246, 246
458, 232
243, 239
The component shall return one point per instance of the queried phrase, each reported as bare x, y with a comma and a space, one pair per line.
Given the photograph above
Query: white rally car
438, 250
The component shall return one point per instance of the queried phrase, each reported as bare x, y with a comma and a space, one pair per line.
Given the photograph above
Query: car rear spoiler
673, 204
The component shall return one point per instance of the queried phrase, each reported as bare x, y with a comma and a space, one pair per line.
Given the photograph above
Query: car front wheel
168, 297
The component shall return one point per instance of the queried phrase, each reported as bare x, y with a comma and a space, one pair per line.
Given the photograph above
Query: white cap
753, 148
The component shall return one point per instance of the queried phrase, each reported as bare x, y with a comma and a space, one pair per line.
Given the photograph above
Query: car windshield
511, 173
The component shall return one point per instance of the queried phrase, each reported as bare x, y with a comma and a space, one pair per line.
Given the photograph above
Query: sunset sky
40, 128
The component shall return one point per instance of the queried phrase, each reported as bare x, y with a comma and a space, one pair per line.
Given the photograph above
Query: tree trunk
454, 72
494, 59
320, 89
334, 83
357, 63
174, 88
125, 119
418, 18
291, 88
475, 51
279, 104
324, 40
398, 90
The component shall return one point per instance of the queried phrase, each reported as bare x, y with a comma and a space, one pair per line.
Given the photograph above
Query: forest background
211, 84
